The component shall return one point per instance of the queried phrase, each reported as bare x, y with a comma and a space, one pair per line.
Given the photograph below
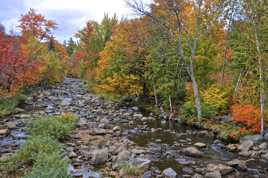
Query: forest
96, 100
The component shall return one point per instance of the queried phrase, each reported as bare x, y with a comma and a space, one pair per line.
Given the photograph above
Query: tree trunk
261, 81
196, 92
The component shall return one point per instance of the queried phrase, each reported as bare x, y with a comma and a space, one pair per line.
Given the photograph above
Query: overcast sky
70, 15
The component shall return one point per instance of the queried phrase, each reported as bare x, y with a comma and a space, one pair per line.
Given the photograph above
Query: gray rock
183, 161
66, 102
223, 169
214, 174
116, 128
263, 146
123, 156
187, 170
100, 156
197, 176
200, 145
147, 174
266, 137
192, 151
245, 146
169, 173
4, 132
238, 164
265, 156
142, 163
11, 124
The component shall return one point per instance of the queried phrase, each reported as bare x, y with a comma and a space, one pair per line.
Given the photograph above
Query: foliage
216, 97
35, 24
49, 166
188, 110
56, 127
247, 115
42, 150
8, 104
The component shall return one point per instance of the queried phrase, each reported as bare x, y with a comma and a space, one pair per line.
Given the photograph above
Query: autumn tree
37, 25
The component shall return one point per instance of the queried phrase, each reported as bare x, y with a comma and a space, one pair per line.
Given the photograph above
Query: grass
55, 126
130, 170
42, 151
8, 104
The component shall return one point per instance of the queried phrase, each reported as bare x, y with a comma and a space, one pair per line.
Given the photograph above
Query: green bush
8, 105
56, 127
49, 166
188, 110
34, 146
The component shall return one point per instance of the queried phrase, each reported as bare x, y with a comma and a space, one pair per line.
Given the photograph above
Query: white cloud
93, 8
70, 15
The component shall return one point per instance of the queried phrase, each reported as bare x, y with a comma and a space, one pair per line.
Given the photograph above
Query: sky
70, 15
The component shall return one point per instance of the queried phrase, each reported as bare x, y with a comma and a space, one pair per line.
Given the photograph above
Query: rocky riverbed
109, 135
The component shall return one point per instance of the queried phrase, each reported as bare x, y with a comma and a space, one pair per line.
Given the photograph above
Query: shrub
56, 127
247, 115
34, 146
216, 97
49, 166
188, 110
8, 104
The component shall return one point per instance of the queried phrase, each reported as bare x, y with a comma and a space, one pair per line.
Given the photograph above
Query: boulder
100, 156
192, 151
169, 173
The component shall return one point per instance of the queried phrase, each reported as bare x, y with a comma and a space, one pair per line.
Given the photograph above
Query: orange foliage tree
247, 115
37, 25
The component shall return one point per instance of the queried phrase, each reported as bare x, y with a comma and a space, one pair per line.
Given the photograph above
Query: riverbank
113, 140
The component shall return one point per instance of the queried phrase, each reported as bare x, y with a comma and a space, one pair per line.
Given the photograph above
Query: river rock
266, 137
116, 128
200, 145
192, 151
11, 124
169, 173
214, 174
187, 170
245, 146
263, 146
197, 176
147, 174
123, 157
142, 163
265, 156
223, 169
238, 164
4, 132
100, 156
185, 162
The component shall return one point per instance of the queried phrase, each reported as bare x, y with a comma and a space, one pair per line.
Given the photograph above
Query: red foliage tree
37, 25
247, 115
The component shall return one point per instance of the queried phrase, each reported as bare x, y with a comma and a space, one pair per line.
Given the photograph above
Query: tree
37, 25
185, 21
